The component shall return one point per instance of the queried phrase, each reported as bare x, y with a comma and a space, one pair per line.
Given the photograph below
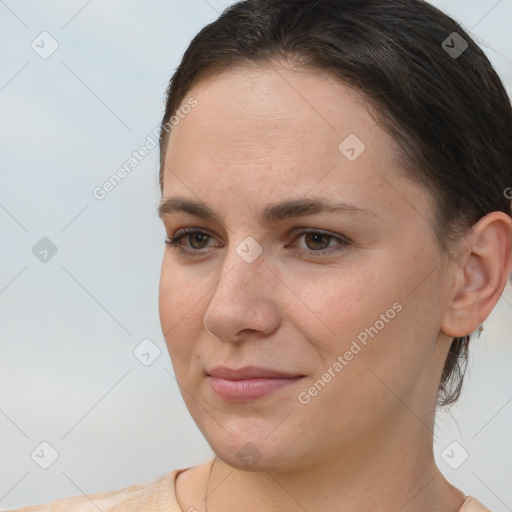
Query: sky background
70, 326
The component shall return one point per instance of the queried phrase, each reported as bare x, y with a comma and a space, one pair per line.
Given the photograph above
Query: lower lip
248, 389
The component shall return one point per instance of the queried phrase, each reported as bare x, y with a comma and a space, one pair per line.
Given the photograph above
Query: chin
258, 453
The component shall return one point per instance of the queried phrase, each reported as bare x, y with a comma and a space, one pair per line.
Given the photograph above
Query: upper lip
249, 372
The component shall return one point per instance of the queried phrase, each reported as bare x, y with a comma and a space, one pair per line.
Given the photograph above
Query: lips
249, 372
249, 382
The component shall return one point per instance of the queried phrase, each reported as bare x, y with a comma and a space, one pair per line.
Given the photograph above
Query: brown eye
317, 241
197, 240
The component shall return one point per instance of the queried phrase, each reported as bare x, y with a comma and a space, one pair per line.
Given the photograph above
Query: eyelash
173, 242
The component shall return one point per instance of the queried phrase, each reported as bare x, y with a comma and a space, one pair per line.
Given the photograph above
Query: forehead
258, 130
272, 103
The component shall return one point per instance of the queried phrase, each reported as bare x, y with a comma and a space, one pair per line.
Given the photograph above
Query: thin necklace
207, 483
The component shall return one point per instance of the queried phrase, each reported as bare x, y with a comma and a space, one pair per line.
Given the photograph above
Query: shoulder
473, 505
154, 496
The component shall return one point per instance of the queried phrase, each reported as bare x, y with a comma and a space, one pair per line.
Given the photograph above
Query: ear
480, 274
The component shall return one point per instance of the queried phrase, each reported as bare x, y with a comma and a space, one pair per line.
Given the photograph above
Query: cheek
181, 289
180, 302
330, 307
361, 313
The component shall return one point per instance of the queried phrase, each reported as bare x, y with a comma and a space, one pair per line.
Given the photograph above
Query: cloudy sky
81, 89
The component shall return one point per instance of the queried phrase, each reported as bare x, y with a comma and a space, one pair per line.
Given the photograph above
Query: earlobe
481, 274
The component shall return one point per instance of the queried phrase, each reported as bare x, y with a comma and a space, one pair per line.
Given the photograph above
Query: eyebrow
272, 213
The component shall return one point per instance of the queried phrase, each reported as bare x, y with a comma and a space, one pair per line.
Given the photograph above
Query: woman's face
353, 308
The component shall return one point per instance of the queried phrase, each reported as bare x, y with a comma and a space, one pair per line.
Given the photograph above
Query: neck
397, 472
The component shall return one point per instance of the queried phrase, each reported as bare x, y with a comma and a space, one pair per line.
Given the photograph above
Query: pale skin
259, 136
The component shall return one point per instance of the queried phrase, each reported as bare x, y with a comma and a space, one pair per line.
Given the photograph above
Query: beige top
156, 496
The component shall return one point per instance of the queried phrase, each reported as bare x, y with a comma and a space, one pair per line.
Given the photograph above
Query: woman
336, 181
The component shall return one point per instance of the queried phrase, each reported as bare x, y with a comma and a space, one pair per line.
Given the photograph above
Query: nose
244, 300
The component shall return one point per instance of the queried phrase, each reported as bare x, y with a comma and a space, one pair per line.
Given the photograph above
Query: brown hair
441, 101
